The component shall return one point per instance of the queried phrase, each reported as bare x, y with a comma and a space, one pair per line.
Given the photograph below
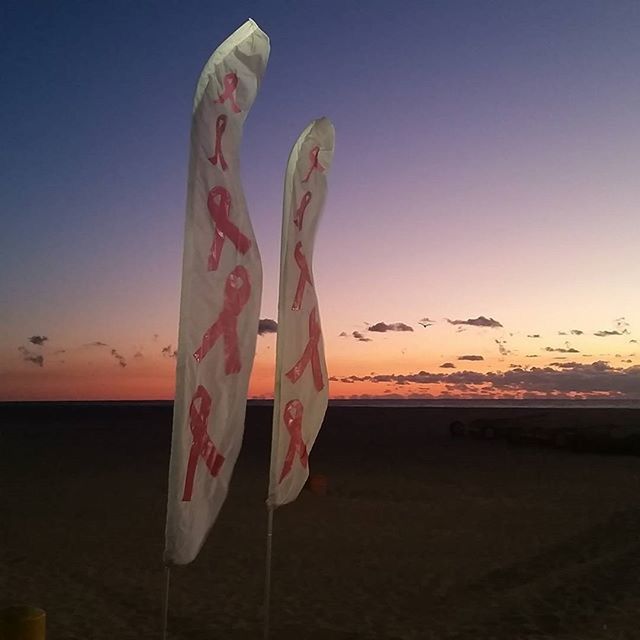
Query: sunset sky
486, 181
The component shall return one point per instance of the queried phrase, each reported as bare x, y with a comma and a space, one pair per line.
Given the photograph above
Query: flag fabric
301, 384
220, 300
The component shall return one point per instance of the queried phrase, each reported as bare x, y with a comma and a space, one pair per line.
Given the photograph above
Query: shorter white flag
301, 385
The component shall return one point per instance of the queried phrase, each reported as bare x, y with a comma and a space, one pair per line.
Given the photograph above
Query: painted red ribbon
237, 290
293, 420
304, 279
230, 86
304, 203
315, 163
219, 205
202, 446
221, 125
310, 354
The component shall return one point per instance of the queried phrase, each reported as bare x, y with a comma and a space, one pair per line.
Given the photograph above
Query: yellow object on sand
22, 622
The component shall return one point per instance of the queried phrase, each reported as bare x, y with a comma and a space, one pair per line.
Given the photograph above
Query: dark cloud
96, 343
138, 354
533, 355
383, 327
119, 358
267, 325
605, 333
621, 323
566, 378
30, 356
38, 340
533, 335
447, 365
576, 332
358, 336
55, 353
426, 322
169, 352
480, 321
566, 349
343, 334
472, 358
633, 340
562, 333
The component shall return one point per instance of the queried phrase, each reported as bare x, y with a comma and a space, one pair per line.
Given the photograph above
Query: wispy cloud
533, 335
30, 356
502, 348
38, 340
383, 327
120, 359
576, 332
621, 323
598, 378
606, 333
566, 349
360, 337
267, 325
95, 343
480, 321
168, 352
472, 358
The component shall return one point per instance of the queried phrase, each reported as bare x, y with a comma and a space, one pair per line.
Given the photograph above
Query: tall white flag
301, 392
220, 302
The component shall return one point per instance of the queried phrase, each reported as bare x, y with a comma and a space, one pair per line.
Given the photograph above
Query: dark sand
421, 535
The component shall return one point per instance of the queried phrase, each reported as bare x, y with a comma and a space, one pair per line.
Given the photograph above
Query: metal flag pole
267, 573
165, 606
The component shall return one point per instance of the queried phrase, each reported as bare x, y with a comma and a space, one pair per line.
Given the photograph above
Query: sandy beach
420, 536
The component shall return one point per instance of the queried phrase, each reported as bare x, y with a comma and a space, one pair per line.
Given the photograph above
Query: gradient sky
487, 165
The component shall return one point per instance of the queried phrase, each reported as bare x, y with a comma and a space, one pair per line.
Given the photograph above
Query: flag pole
267, 573
165, 606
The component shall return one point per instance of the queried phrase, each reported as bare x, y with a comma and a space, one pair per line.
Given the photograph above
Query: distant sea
537, 403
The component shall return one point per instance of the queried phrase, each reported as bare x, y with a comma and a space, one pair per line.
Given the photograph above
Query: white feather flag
301, 392
220, 302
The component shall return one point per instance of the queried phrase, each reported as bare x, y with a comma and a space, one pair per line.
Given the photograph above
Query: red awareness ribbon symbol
219, 205
237, 290
221, 125
202, 445
303, 280
304, 203
293, 420
230, 85
310, 354
315, 163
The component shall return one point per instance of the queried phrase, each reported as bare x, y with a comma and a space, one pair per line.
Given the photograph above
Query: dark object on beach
318, 484
489, 429
22, 622
457, 429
